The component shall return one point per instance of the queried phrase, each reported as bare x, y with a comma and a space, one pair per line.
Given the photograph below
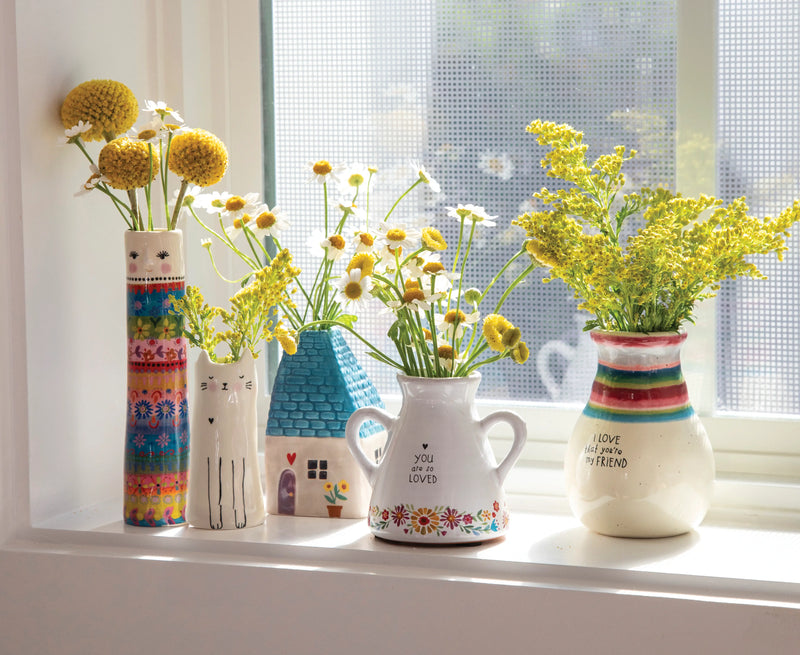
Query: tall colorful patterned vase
639, 462
157, 431
310, 471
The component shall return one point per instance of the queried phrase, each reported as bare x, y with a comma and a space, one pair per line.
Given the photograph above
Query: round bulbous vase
438, 481
157, 426
639, 462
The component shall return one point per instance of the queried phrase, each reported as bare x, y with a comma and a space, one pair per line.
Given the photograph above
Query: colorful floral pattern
157, 443
440, 520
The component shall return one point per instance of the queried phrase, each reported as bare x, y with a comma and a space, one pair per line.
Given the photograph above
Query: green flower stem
121, 207
177, 209
135, 210
403, 195
499, 274
512, 286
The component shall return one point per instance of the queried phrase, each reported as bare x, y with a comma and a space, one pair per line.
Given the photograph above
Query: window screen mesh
759, 157
453, 84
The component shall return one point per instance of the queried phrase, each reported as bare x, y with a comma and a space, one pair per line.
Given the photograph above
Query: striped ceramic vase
639, 462
157, 427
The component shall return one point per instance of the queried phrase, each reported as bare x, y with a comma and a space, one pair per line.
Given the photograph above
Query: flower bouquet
639, 462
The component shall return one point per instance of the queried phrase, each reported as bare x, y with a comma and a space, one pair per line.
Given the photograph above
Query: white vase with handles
438, 481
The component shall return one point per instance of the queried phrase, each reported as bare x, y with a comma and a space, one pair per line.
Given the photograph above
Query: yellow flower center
234, 203
396, 234
413, 294
362, 261
445, 351
353, 290
427, 333
366, 239
433, 239
398, 251
356, 179
455, 316
322, 167
144, 135
266, 220
336, 241
239, 223
432, 268
412, 284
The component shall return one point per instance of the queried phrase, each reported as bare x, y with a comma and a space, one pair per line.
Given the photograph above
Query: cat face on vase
225, 484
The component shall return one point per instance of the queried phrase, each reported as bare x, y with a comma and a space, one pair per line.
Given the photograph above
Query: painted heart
425, 446
291, 457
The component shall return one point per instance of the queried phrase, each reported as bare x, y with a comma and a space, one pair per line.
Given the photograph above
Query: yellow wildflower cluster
650, 281
249, 320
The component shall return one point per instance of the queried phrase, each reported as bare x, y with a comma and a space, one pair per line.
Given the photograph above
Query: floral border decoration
439, 521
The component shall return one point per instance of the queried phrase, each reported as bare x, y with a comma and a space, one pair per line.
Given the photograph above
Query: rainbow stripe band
639, 394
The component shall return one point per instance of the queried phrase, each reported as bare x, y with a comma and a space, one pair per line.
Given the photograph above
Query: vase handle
352, 439
520, 436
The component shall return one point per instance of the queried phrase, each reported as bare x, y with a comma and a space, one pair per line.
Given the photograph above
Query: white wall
62, 392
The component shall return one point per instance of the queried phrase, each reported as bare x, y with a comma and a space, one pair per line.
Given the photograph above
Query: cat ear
203, 358
247, 356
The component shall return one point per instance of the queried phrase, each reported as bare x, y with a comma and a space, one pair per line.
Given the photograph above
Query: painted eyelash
163, 254
133, 254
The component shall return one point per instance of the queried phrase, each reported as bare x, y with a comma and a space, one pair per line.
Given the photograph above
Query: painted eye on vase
163, 254
133, 254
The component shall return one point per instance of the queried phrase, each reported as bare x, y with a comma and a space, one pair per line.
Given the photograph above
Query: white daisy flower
353, 289
454, 322
269, 222
425, 176
313, 243
150, 133
364, 241
443, 278
473, 213
415, 299
162, 112
237, 226
333, 246
239, 206
394, 235
352, 177
496, 165
214, 202
95, 178
71, 133
323, 171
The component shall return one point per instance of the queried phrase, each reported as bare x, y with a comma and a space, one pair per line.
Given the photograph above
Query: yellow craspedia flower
287, 341
110, 107
198, 157
494, 327
433, 239
127, 163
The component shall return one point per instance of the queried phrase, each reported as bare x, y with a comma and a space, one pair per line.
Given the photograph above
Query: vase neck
453, 391
639, 378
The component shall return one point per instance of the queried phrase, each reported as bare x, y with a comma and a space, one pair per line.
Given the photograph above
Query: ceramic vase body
157, 433
639, 462
310, 471
438, 481
225, 490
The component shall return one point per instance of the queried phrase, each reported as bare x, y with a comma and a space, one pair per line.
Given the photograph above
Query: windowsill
752, 563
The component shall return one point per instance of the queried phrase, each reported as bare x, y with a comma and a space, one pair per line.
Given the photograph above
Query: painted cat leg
240, 522
215, 504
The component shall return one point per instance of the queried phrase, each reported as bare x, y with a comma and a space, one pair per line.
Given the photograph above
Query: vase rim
402, 377
161, 230
638, 338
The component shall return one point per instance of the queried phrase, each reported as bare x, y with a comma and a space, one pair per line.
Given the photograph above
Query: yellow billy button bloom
287, 340
433, 239
520, 353
198, 157
127, 164
108, 106
494, 327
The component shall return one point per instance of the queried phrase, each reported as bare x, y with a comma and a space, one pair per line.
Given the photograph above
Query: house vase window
308, 465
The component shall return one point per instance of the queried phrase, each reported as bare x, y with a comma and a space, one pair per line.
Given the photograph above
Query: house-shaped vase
310, 471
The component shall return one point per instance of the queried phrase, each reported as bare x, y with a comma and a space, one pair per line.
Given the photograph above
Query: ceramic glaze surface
438, 481
157, 428
639, 462
315, 392
225, 489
